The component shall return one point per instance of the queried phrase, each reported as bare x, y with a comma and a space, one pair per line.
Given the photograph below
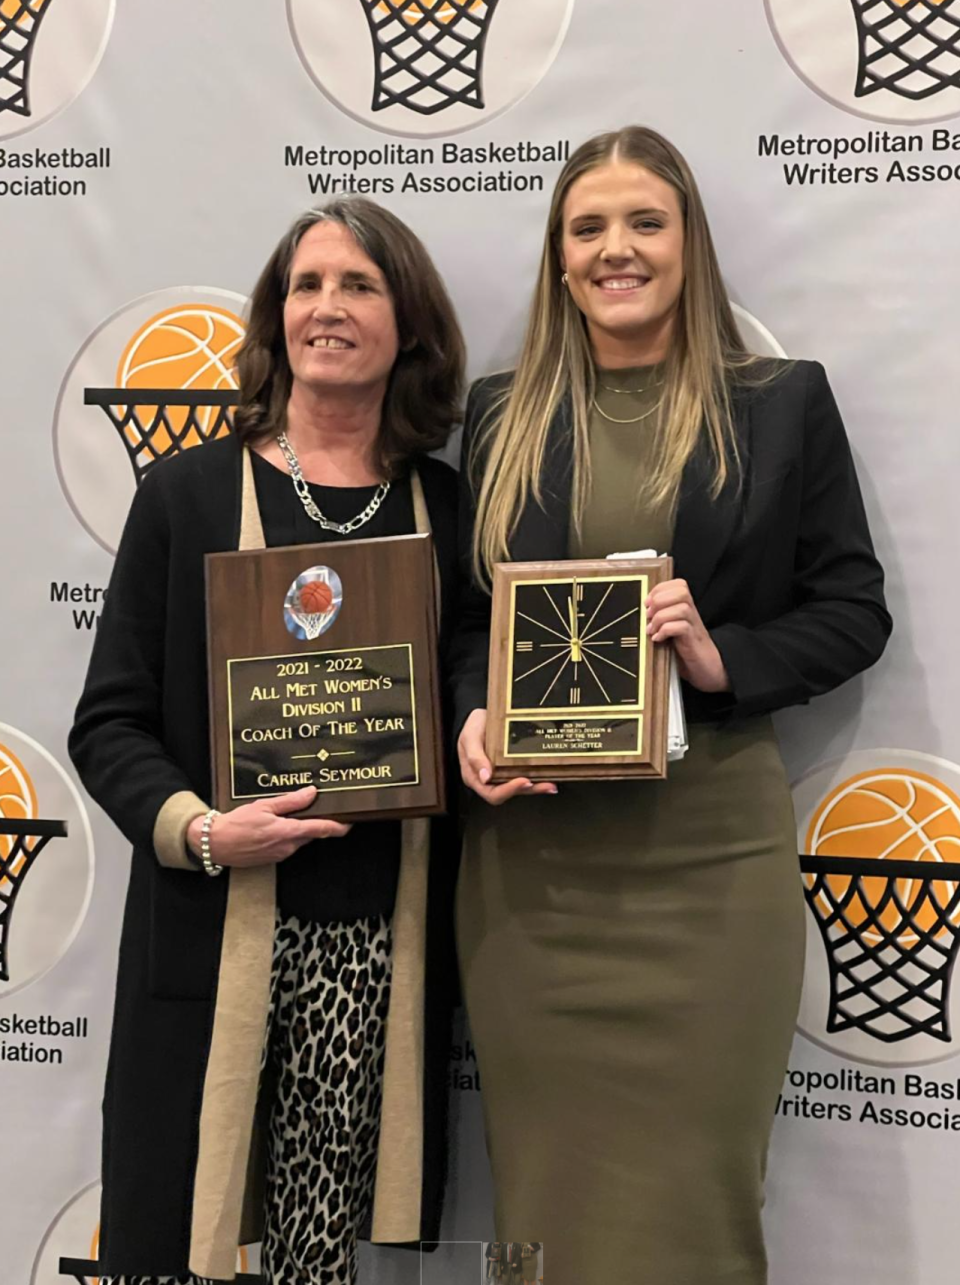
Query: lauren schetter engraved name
339, 720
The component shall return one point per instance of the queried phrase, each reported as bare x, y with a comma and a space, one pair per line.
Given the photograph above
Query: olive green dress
631, 956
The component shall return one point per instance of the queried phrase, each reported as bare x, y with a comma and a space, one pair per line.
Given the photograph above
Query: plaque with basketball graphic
576, 689
323, 671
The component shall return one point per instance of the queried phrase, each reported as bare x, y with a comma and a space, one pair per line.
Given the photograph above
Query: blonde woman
632, 952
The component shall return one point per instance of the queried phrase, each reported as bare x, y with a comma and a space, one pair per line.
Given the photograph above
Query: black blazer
781, 565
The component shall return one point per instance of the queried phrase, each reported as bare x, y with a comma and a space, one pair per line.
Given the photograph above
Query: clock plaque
576, 690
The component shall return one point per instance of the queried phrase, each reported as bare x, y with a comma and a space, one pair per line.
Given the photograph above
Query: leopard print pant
330, 987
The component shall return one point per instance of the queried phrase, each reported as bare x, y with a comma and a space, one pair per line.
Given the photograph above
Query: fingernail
552, 790
484, 775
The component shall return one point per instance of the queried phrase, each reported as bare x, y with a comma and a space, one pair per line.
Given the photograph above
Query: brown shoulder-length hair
424, 391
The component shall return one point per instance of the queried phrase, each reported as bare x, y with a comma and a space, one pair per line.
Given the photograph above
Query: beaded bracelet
208, 864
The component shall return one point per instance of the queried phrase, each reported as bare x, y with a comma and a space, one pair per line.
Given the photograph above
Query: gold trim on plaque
638, 707
586, 755
311, 656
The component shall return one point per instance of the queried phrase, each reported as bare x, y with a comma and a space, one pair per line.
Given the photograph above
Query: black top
362, 867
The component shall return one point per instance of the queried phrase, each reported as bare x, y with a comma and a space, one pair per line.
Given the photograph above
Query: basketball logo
887, 60
158, 378
46, 861
69, 1249
312, 603
49, 50
427, 67
880, 855
187, 349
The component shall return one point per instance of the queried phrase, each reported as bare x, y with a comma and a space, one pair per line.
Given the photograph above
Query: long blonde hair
706, 353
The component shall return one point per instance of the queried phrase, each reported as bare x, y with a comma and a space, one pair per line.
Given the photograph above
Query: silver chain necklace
635, 419
302, 489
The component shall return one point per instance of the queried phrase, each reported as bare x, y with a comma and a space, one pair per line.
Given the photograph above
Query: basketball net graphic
192, 347
886, 897
428, 53
910, 47
19, 23
311, 623
21, 843
165, 423
22, 838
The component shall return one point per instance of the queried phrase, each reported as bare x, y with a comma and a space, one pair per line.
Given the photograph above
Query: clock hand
575, 652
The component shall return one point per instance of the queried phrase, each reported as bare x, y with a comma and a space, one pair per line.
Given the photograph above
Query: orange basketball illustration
316, 596
896, 815
190, 348
18, 802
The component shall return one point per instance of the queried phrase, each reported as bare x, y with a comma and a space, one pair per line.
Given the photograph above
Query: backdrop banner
150, 158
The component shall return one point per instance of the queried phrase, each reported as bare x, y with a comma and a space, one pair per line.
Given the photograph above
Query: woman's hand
476, 770
672, 615
264, 832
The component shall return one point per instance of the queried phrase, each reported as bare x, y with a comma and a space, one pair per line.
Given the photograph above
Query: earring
564, 278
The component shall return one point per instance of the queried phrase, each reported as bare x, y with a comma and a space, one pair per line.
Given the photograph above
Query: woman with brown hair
631, 952
260, 940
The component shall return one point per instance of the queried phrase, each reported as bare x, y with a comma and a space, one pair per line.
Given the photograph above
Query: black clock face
577, 644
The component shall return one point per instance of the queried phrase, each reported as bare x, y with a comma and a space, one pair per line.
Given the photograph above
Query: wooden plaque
323, 671
576, 690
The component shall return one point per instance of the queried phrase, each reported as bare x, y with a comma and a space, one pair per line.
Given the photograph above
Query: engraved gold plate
338, 720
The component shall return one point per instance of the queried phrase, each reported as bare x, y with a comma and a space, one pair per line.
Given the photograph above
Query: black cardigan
140, 736
781, 565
